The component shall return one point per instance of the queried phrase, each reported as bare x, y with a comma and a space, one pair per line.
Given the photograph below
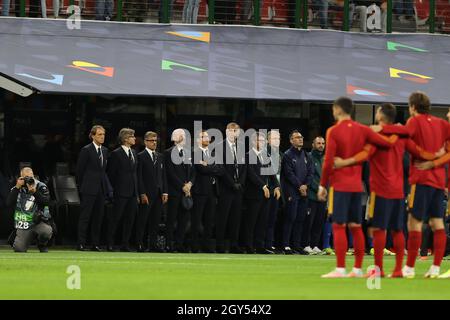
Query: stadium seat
62, 169
67, 197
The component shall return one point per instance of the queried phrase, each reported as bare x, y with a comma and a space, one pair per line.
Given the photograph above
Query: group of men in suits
136, 183
205, 190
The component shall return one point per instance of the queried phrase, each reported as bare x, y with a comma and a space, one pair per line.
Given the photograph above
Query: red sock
439, 244
359, 245
399, 248
414, 242
340, 244
379, 241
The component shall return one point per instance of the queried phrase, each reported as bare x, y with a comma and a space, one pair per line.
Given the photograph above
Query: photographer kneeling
31, 216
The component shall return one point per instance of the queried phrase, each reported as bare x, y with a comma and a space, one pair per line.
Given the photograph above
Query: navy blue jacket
296, 170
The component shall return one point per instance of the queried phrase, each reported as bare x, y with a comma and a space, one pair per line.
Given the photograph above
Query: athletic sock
414, 242
340, 244
379, 241
399, 247
359, 245
439, 244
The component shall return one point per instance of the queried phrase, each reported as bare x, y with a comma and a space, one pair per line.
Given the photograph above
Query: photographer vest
26, 210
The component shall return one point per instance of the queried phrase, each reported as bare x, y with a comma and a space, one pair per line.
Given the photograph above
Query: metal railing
357, 15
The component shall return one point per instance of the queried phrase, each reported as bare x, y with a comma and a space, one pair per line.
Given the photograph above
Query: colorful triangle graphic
393, 46
57, 78
352, 90
194, 35
409, 76
92, 68
168, 65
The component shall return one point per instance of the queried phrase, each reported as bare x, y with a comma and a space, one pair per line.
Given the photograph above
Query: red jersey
386, 169
344, 140
429, 133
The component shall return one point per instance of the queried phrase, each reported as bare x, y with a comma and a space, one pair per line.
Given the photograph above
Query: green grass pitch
200, 276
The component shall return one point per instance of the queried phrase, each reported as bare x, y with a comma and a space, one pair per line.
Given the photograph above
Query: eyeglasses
151, 140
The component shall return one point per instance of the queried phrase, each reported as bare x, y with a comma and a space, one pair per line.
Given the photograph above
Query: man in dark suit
231, 189
152, 184
296, 175
275, 155
205, 195
257, 195
94, 186
122, 172
180, 179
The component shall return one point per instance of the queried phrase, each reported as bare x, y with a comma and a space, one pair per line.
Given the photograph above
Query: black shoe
220, 249
300, 251
96, 248
169, 249
125, 249
276, 250
110, 248
250, 250
182, 249
82, 247
264, 251
140, 248
43, 248
236, 250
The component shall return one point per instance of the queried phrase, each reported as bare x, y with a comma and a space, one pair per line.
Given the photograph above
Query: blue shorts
386, 213
345, 207
426, 202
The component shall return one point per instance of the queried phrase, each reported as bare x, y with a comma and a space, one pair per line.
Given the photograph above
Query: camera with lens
28, 181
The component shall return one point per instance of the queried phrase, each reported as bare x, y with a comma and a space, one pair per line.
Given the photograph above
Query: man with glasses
296, 175
122, 168
152, 185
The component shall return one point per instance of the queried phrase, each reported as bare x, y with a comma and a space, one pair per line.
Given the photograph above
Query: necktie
130, 156
236, 169
100, 156
154, 157
181, 155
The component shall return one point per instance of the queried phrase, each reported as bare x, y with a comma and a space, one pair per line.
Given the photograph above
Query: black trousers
254, 223
228, 219
123, 208
291, 13
148, 219
202, 222
35, 8
271, 221
294, 217
313, 226
92, 212
176, 223
225, 11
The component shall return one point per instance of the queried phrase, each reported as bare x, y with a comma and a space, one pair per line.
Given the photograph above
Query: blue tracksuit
296, 170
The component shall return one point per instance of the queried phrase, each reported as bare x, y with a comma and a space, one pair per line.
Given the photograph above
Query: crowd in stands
321, 13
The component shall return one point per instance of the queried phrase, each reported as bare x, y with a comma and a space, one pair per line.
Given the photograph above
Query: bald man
30, 199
